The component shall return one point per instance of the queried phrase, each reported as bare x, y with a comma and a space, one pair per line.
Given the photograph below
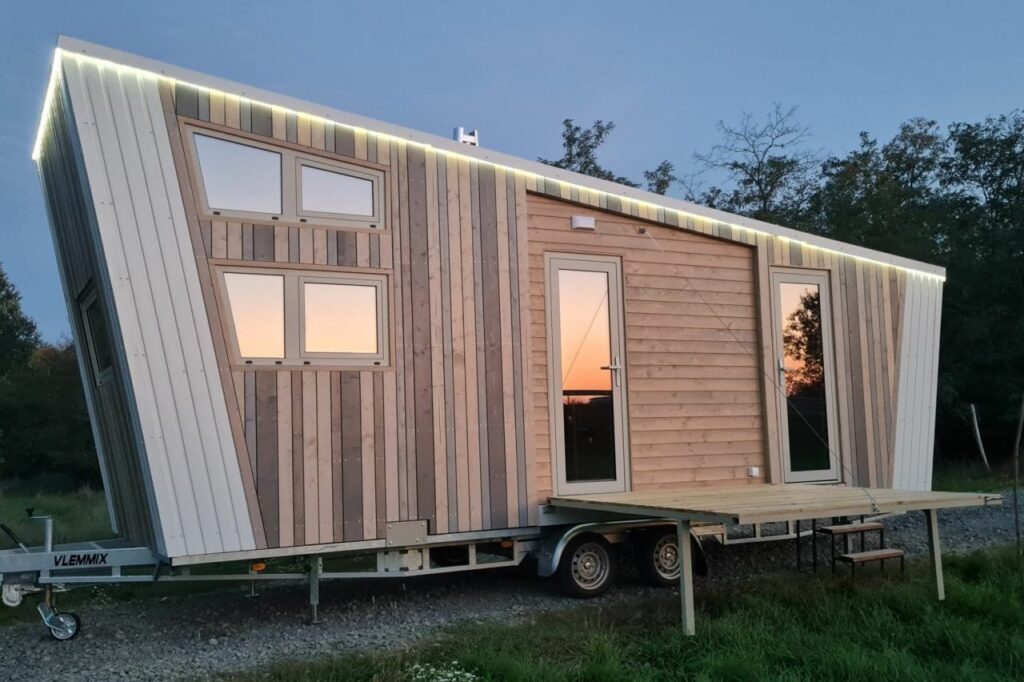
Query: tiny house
302, 330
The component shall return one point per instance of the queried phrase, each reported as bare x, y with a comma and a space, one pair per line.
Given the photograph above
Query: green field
781, 628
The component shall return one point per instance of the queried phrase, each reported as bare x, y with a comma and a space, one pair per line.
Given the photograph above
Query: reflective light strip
60, 54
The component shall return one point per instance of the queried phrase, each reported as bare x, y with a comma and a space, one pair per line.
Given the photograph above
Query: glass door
802, 322
587, 373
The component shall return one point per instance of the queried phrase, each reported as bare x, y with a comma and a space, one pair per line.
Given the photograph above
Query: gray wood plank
352, 455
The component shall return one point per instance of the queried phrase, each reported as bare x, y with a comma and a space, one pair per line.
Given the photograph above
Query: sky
664, 72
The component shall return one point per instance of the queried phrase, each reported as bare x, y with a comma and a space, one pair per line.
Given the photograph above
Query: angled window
283, 316
242, 178
239, 177
99, 349
256, 302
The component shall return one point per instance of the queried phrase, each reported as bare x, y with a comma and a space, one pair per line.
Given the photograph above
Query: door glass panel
588, 409
804, 364
257, 310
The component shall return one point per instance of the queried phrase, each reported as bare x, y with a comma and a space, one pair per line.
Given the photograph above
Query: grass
969, 476
783, 628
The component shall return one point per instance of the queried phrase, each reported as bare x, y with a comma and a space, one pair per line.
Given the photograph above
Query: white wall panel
154, 280
916, 401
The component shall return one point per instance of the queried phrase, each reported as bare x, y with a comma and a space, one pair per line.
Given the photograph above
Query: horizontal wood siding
693, 380
441, 434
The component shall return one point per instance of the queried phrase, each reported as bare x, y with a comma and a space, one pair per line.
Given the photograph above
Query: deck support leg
316, 567
686, 578
932, 521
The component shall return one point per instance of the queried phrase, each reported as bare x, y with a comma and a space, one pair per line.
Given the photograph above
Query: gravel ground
197, 637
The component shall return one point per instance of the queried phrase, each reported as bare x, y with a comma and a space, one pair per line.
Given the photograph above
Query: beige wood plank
508, 379
323, 457
310, 470
469, 316
436, 347
369, 471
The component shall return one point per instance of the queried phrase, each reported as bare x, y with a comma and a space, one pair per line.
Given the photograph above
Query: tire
658, 557
70, 625
588, 567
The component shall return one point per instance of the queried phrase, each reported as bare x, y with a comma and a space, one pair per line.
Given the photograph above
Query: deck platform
768, 503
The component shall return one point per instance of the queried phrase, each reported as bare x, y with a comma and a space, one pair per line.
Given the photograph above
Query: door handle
614, 367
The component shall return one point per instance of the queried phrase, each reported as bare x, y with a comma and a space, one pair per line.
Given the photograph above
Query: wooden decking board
767, 503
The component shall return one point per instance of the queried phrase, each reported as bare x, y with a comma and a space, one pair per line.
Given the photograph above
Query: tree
579, 154
44, 426
18, 334
771, 174
580, 145
661, 178
801, 338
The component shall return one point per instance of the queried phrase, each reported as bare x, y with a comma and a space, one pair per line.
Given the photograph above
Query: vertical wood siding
441, 435
195, 476
75, 240
918, 355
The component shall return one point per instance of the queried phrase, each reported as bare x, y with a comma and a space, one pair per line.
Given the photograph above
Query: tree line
952, 196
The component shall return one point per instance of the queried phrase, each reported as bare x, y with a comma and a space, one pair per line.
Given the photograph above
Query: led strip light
60, 54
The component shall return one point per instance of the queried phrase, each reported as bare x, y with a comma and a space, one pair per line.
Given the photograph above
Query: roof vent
470, 138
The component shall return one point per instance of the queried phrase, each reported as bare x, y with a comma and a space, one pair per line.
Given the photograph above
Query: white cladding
154, 281
919, 366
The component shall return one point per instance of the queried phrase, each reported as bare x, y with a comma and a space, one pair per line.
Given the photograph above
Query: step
846, 529
871, 555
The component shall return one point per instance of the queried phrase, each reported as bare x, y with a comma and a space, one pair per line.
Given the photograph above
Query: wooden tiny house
301, 326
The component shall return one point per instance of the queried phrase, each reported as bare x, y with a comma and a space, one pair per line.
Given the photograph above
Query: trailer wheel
69, 625
588, 566
658, 557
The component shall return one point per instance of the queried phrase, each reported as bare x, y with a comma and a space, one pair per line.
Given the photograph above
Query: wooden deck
767, 503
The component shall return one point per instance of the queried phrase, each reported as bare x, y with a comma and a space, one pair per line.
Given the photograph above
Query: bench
879, 555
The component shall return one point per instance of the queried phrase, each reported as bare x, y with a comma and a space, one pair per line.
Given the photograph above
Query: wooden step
871, 555
846, 529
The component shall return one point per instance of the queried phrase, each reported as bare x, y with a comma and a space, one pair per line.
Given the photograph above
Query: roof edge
73, 46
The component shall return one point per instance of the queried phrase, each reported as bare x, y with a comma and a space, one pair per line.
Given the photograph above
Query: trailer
306, 333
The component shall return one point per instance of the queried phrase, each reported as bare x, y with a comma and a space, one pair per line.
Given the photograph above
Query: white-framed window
238, 177
278, 316
99, 349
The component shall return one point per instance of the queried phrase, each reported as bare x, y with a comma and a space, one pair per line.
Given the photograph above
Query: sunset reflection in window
257, 310
340, 318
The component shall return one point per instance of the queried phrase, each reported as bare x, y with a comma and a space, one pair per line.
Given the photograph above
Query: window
325, 192
244, 178
97, 338
289, 317
257, 312
339, 318
238, 177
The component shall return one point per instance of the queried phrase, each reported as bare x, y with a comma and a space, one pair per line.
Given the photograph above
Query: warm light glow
121, 68
51, 92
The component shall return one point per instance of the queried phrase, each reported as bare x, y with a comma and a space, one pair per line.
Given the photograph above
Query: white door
587, 374
802, 327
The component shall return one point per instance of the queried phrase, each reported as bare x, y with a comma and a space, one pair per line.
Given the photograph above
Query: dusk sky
664, 72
